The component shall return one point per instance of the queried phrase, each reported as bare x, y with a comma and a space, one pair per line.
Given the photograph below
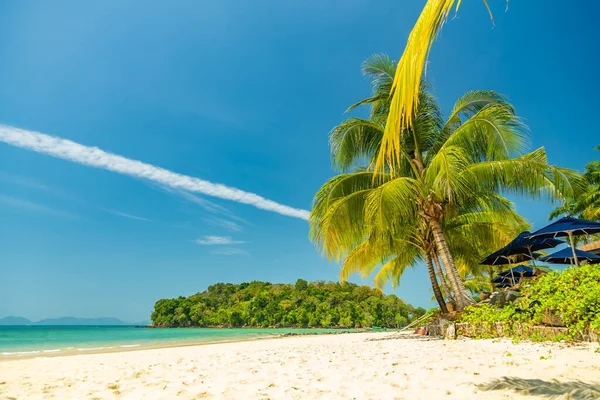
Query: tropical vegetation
585, 204
572, 295
442, 202
305, 304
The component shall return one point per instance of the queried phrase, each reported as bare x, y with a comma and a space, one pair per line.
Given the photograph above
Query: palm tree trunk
491, 274
434, 285
463, 298
445, 289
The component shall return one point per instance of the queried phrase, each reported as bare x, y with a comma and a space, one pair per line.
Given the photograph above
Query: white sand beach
345, 366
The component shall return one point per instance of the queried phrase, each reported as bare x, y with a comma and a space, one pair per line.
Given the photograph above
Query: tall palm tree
472, 236
448, 169
407, 78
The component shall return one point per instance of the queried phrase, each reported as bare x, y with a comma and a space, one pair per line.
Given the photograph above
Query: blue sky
242, 94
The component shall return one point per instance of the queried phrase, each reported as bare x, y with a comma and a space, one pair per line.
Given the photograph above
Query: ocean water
24, 341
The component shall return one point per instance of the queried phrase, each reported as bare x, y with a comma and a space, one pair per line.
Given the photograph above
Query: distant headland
67, 321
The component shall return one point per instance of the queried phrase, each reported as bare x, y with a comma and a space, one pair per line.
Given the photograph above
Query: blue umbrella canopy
525, 244
499, 259
520, 270
522, 244
507, 283
565, 256
568, 226
506, 279
513, 276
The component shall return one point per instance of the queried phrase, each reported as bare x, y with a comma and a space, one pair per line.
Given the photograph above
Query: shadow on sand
546, 389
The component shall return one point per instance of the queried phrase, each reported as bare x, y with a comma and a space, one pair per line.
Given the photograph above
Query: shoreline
70, 352
372, 365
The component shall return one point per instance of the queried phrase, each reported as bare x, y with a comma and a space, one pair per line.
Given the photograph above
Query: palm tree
447, 169
587, 203
407, 78
472, 236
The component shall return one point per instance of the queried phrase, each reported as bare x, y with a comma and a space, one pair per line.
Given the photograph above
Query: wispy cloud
229, 252
23, 181
125, 215
223, 223
31, 206
189, 197
31, 183
217, 240
207, 205
94, 157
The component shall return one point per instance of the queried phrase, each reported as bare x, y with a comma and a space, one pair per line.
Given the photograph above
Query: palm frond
529, 175
354, 139
493, 133
444, 175
394, 269
392, 203
407, 80
467, 106
408, 76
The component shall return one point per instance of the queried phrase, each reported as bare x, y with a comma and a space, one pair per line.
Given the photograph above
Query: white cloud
125, 215
27, 205
207, 205
217, 240
223, 223
228, 252
94, 157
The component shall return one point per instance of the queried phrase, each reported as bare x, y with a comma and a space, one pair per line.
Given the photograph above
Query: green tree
301, 285
449, 170
262, 304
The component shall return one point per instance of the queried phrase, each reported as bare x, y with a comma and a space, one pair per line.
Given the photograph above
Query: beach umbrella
504, 260
513, 276
522, 244
567, 226
503, 279
506, 283
498, 259
521, 270
565, 256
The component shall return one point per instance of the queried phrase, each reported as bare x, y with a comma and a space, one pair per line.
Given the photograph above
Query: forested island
262, 304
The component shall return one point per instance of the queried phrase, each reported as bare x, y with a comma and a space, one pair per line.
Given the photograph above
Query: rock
500, 299
437, 327
450, 333
497, 299
511, 296
550, 318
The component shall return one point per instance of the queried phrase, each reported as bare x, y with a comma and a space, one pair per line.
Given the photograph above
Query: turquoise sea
23, 341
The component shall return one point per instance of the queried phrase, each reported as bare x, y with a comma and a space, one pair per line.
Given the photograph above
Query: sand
349, 366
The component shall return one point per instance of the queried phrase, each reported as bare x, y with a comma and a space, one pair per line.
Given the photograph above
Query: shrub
573, 294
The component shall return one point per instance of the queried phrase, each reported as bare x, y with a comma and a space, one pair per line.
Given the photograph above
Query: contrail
94, 157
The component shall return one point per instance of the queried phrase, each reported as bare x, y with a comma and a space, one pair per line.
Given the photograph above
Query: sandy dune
350, 366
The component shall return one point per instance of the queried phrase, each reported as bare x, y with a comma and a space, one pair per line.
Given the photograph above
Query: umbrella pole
573, 248
531, 255
512, 273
